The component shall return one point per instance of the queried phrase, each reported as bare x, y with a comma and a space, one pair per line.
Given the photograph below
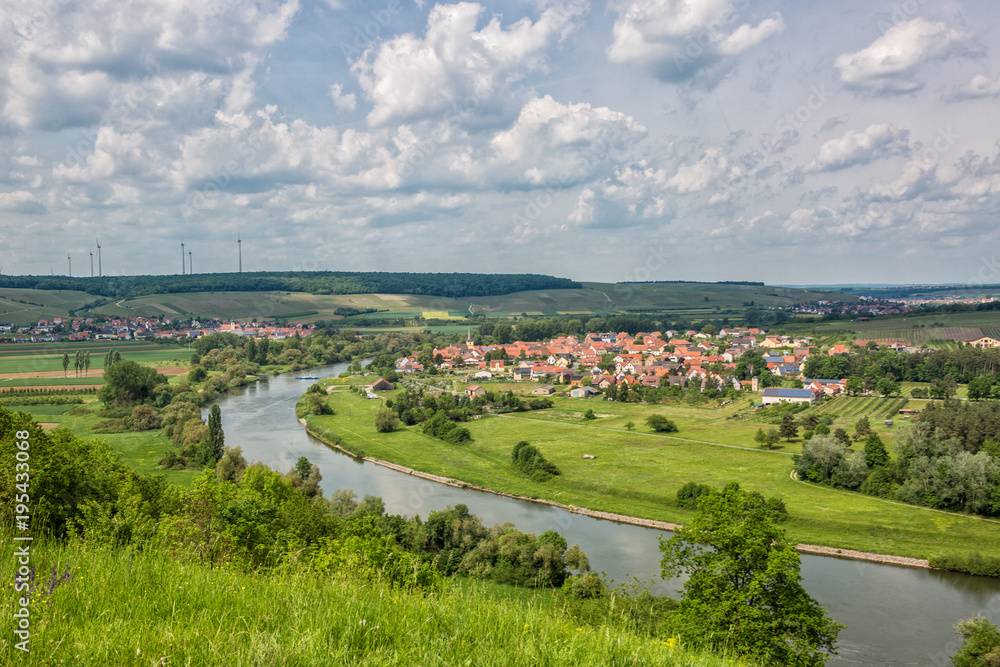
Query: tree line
456, 285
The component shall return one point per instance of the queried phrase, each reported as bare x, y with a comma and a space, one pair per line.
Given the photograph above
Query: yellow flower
672, 642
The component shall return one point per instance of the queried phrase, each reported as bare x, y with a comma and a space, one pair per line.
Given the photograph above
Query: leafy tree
127, 382
842, 436
887, 386
862, 428
629, 425
819, 459
65, 363
980, 644
744, 591
589, 414
661, 424
386, 420
530, 461
980, 387
854, 385
788, 428
212, 448
86, 363
876, 455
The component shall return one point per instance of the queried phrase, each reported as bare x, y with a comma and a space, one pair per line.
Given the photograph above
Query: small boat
307, 377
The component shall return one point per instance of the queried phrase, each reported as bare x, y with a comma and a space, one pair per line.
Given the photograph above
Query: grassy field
27, 306
47, 357
638, 473
143, 607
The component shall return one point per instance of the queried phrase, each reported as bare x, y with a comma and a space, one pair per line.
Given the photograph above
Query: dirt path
623, 518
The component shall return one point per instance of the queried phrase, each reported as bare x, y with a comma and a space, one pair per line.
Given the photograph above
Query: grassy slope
639, 473
55, 303
144, 607
595, 298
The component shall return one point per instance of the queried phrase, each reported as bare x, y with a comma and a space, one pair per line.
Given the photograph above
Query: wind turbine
190, 263
182, 258
70, 260
99, 271
239, 246
91, 263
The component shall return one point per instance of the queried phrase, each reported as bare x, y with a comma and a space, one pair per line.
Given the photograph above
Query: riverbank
813, 549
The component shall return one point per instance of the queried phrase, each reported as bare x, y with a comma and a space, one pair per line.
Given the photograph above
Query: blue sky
806, 142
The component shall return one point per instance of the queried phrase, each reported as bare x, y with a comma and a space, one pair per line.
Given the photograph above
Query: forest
454, 285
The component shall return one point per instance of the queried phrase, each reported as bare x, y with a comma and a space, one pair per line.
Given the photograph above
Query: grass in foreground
144, 608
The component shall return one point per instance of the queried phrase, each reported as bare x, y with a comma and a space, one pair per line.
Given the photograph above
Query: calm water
894, 615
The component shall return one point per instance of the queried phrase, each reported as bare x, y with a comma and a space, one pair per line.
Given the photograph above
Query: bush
661, 424
386, 420
530, 461
689, 494
978, 564
143, 418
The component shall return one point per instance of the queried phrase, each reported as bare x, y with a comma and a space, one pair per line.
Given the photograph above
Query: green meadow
638, 472
144, 606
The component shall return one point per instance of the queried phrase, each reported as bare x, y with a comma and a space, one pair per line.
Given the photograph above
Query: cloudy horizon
795, 143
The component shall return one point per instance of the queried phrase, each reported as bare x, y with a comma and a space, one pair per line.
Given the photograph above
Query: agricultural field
939, 330
639, 472
678, 299
27, 306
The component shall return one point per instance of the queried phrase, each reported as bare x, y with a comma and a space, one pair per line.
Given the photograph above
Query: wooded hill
453, 285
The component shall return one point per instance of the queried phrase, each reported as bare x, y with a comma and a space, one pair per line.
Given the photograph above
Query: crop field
854, 408
940, 330
638, 472
47, 357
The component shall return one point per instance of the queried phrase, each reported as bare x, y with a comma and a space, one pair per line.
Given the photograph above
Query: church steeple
468, 339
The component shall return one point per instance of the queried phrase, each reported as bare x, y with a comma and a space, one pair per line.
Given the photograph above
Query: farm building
583, 392
382, 385
782, 395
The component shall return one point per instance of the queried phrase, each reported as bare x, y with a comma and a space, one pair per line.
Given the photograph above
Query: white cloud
698, 176
560, 143
455, 68
980, 86
678, 39
66, 68
21, 201
890, 63
856, 148
341, 101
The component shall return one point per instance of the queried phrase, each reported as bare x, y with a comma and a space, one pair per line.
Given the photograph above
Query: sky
787, 142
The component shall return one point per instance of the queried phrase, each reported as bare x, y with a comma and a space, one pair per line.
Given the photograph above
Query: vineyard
854, 408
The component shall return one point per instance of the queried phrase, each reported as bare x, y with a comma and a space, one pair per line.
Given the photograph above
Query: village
141, 328
601, 361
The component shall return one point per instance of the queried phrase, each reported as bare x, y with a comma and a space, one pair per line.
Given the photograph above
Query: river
894, 615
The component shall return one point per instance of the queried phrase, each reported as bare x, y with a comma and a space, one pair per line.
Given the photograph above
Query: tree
629, 425
744, 592
661, 424
767, 438
887, 386
876, 455
980, 644
862, 428
589, 414
214, 443
65, 363
979, 387
86, 364
842, 437
128, 382
788, 428
386, 420
853, 385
